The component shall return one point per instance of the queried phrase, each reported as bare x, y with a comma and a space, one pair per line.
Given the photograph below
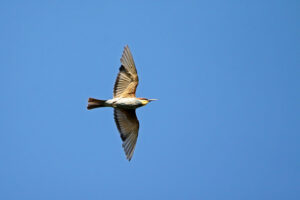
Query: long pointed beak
152, 100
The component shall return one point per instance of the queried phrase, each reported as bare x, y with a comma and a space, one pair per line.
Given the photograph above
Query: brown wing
127, 79
128, 126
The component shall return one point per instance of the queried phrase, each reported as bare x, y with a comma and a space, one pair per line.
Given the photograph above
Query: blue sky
226, 74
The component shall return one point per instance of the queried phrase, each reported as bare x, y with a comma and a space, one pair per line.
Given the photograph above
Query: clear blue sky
226, 126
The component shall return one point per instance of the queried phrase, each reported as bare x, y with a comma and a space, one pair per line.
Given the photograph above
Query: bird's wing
128, 126
127, 79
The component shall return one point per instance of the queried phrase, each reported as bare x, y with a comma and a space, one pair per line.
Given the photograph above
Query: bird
124, 103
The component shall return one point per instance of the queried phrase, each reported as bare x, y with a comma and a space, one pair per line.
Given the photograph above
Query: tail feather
95, 103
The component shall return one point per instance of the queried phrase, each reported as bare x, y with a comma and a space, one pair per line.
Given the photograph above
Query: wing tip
125, 49
127, 58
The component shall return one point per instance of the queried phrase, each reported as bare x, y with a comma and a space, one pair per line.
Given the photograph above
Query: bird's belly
127, 103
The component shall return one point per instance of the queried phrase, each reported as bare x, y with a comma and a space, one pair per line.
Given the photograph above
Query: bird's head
145, 101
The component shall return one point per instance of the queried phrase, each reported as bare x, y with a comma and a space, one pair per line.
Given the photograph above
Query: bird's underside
124, 103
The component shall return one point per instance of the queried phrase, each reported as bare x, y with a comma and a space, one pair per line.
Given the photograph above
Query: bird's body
124, 103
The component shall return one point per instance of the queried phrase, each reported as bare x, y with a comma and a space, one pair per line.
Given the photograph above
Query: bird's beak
152, 100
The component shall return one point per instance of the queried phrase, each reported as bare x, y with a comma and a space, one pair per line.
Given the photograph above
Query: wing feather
127, 79
128, 126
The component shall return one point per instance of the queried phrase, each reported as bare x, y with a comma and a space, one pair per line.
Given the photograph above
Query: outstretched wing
127, 79
128, 126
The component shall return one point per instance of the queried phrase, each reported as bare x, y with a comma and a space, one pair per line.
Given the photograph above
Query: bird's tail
96, 103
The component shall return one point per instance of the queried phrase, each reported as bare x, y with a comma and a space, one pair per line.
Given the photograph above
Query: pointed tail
95, 103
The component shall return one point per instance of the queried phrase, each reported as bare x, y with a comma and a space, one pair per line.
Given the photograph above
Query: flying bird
124, 102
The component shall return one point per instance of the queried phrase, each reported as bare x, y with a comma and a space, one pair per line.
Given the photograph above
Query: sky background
226, 125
